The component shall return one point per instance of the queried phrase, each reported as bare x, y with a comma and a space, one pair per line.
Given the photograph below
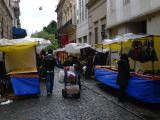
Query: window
103, 31
7, 31
85, 9
85, 39
9, 2
0, 29
96, 35
80, 14
79, 40
113, 32
125, 2
90, 35
143, 27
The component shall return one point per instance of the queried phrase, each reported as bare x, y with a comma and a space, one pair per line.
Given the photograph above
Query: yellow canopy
127, 44
14, 45
113, 46
20, 56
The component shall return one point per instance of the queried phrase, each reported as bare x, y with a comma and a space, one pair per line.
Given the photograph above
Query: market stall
20, 63
144, 84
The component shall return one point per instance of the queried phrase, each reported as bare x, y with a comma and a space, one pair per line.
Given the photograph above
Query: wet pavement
97, 102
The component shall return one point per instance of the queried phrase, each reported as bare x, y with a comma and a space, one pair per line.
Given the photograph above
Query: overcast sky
33, 19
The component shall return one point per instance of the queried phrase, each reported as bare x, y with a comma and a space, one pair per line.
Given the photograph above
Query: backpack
49, 62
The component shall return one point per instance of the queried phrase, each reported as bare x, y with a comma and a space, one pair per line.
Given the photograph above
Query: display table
25, 84
142, 88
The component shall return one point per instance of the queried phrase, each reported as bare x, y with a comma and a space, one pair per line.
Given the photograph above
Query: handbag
145, 52
135, 51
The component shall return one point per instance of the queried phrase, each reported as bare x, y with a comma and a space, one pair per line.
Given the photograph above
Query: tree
51, 28
48, 33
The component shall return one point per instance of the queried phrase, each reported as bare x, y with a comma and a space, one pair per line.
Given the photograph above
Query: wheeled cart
72, 84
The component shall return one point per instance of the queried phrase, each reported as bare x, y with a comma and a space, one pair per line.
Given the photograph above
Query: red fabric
63, 40
66, 68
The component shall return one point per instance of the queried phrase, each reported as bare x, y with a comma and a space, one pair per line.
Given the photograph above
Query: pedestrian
89, 67
48, 65
78, 69
41, 68
97, 59
123, 76
69, 61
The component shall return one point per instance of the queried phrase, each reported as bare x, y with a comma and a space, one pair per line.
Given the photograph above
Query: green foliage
48, 33
47, 36
51, 28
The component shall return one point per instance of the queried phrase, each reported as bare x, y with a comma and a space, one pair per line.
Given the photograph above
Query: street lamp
40, 8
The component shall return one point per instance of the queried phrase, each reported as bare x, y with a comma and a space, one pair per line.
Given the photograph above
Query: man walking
48, 64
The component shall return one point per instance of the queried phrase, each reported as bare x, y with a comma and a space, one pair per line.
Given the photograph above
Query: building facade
66, 21
133, 16
16, 13
82, 22
9, 17
96, 20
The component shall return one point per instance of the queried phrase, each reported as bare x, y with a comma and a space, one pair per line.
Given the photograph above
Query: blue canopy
18, 33
140, 88
25, 84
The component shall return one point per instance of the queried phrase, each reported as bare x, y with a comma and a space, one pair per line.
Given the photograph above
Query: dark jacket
123, 72
49, 62
68, 63
97, 59
2, 68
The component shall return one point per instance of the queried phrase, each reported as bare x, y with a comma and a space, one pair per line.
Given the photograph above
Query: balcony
68, 25
91, 2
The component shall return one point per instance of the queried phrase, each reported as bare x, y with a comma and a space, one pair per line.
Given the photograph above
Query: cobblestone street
94, 104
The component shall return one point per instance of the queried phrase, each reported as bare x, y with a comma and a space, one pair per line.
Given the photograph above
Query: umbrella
75, 47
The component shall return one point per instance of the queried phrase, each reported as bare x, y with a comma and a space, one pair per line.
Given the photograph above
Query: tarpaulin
25, 84
21, 61
15, 45
19, 32
140, 88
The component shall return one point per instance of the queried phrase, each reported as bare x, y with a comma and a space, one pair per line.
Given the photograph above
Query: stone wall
5, 21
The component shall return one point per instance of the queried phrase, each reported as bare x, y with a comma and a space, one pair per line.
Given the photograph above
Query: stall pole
134, 65
110, 55
152, 36
121, 49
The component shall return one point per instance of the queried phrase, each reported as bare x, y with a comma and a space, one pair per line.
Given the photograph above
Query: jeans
49, 81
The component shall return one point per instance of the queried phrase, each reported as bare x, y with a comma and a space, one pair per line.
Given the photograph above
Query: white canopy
124, 38
42, 43
132, 36
75, 47
107, 41
4, 42
101, 50
59, 50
